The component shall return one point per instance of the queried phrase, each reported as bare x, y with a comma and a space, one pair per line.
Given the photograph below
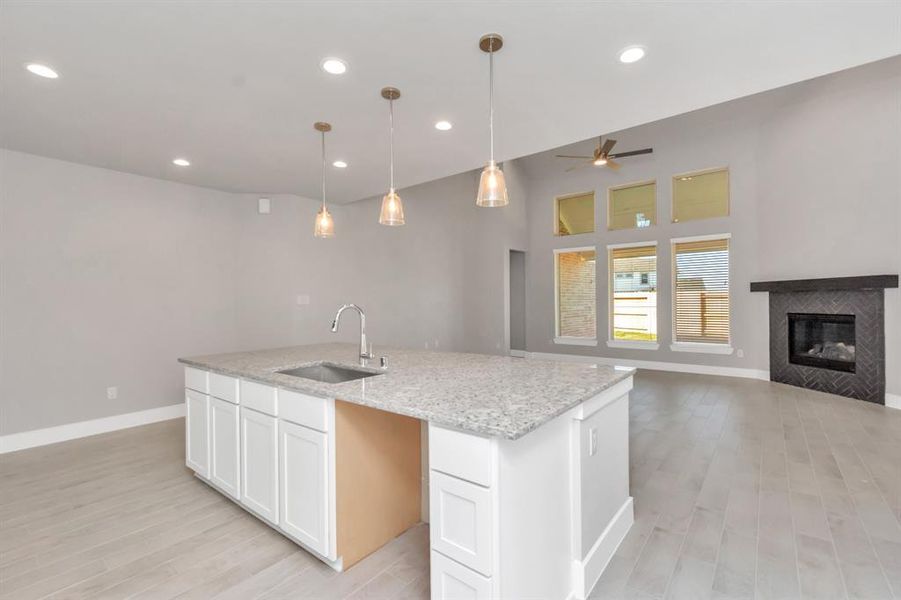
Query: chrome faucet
365, 352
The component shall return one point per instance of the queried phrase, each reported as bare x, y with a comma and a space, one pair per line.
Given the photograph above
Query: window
574, 214
701, 195
576, 306
633, 295
701, 296
632, 206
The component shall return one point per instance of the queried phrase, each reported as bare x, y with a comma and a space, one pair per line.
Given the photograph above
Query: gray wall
105, 278
815, 191
108, 277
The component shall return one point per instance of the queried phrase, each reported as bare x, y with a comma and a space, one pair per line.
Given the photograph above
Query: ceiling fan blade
613, 164
577, 167
631, 153
571, 156
608, 146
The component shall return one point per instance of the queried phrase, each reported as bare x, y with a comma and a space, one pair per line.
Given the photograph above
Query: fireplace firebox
822, 340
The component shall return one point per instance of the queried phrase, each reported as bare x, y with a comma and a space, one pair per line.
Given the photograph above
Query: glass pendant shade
492, 187
325, 226
392, 209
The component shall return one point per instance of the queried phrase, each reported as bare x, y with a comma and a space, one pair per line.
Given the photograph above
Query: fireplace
822, 340
829, 334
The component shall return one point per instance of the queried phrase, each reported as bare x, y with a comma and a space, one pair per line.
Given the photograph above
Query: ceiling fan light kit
602, 156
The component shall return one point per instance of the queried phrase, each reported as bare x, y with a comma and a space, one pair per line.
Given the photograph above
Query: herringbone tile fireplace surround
859, 297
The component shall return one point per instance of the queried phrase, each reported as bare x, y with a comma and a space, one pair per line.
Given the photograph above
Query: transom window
701, 195
574, 214
632, 206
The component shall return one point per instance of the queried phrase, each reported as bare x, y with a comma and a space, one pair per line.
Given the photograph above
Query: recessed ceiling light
335, 66
340, 164
42, 70
631, 54
443, 126
181, 162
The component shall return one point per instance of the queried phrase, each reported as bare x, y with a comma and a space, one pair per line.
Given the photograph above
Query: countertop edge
511, 435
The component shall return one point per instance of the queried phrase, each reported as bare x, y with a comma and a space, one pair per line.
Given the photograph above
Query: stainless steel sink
328, 373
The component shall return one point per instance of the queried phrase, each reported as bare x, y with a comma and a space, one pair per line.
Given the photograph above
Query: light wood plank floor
742, 489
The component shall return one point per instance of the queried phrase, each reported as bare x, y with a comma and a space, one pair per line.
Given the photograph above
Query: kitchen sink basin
328, 373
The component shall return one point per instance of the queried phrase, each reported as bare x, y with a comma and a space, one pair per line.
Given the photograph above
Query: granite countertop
489, 395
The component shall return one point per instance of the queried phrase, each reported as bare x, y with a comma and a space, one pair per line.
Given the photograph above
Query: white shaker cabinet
259, 463
197, 432
304, 485
225, 446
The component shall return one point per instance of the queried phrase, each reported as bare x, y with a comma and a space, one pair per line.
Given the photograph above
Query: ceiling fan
602, 156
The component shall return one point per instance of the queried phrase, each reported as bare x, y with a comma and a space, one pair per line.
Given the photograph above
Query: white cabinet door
197, 429
259, 463
460, 521
304, 485
225, 447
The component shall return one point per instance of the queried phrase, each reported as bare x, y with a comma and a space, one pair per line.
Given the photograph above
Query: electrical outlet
740, 353
263, 206
303, 300
112, 393
592, 441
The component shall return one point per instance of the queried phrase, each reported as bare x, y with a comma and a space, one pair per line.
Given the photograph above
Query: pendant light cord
391, 142
491, 97
323, 168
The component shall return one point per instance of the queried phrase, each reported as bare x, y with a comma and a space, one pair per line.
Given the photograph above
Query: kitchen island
526, 469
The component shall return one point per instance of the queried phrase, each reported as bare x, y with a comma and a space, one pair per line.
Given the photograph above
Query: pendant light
392, 206
492, 187
325, 226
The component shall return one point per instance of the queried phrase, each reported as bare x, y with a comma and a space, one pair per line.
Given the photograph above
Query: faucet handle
368, 353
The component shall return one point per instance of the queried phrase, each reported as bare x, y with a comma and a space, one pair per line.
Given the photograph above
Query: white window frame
624, 186
556, 224
630, 344
569, 340
699, 347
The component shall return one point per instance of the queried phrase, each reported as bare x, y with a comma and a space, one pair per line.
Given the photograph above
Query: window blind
633, 293
701, 307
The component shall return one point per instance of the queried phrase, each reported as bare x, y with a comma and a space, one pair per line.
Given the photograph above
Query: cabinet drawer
224, 387
257, 396
195, 379
460, 454
461, 521
452, 581
303, 410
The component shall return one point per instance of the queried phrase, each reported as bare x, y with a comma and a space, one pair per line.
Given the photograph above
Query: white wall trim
893, 400
633, 344
71, 431
701, 348
656, 365
575, 341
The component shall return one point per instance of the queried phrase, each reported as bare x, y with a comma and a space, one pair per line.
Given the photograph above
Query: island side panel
602, 507
378, 478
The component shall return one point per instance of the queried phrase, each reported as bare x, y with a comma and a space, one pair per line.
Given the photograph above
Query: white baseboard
893, 400
71, 431
656, 365
586, 572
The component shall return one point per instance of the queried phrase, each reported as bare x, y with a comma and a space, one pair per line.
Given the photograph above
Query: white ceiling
236, 86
